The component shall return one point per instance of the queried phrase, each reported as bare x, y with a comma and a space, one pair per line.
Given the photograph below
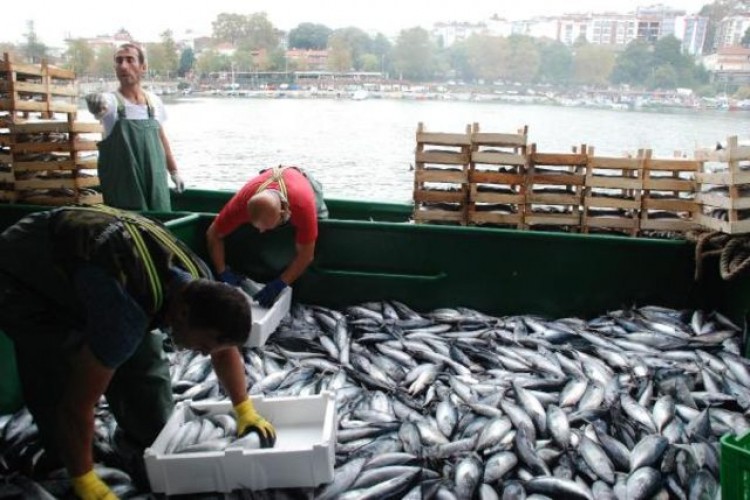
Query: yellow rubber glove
90, 487
248, 420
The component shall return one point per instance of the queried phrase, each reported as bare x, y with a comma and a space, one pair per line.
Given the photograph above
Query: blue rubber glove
230, 277
267, 295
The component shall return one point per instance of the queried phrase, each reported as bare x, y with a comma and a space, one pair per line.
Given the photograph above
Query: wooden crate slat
482, 177
572, 159
42, 107
436, 196
494, 218
6, 158
438, 215
670, 204
43, 88
24, 69
35, 166
614, 163
615, 222
560, 179
7, 177
611, 202
8, 195
56, 126
553, 198
552, 219
497, 158
716, 200
443, 139
672, 165
736, 227
613, 182
668, 184
667, 225
442, 157
444, 176
724, 178
507, 198
498, 140
61, 183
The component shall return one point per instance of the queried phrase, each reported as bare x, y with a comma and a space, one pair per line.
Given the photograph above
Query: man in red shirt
276, 196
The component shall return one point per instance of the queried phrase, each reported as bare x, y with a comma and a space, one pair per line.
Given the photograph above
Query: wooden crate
497, 178
441, 176
52, 156
724, 188
612, 194
554, 189
31, 88
669, 195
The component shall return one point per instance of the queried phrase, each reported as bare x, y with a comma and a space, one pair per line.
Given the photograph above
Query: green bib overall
132, 164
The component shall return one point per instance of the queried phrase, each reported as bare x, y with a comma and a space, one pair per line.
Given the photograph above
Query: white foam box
265, 321
303, 455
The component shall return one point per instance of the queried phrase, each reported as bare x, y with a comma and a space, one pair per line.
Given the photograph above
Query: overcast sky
56, 19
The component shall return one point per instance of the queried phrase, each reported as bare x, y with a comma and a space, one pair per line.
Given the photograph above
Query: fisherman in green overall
82, 292
135, 155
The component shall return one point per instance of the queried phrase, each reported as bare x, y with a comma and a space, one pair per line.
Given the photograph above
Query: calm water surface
364, 149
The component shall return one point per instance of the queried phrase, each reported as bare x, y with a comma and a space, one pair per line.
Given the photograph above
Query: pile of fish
214, 432
458, 404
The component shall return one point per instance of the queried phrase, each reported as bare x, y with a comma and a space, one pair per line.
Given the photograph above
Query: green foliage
353, 41
414, 55
555, 62
211, 61
633, 66
592, 65
250, 32
79, 57
523, 59
187, 61
746, 39
309, 36
742, 93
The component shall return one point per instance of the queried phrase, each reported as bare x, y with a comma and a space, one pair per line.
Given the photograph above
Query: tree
486, 57
162, 57
80, 57
414, 55
354, 41
104, 63
746, 39
187, 61
309, 36
555, 62
523, 58
210, 61
261, 33
382, 48
33, 50
634, 64
592, 65
339, 53
229, 28
663, 77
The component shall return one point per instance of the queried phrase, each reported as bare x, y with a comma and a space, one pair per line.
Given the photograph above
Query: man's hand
230, 277
248, 420
96, 104
90, 487
179, 184
267, 296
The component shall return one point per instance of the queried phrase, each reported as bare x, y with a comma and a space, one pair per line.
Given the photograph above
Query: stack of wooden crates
724, 193
47, 157
499, 179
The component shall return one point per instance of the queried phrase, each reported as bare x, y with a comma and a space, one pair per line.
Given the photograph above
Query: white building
731, 29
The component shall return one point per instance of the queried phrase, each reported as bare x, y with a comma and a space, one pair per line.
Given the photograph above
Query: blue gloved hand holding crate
267, 296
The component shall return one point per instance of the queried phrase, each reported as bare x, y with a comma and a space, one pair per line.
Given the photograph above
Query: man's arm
230, 370
88, 381
171, 163
304, 257
215, 244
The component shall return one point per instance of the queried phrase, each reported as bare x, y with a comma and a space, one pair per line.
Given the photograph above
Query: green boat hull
370, 251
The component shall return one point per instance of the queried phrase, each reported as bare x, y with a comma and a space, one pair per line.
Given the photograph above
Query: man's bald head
265, 210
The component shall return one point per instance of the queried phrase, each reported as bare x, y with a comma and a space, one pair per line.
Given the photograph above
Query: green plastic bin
735, 467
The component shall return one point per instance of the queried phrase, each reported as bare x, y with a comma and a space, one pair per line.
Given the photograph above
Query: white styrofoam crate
303, 455
265, 321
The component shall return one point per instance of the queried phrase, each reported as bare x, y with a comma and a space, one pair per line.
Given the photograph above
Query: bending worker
81, 290
134, 154
275, 197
